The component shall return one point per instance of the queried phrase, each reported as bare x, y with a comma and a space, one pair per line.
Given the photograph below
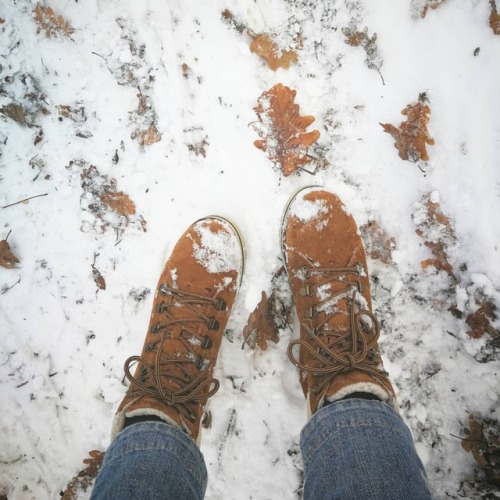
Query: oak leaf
149, 136
260, 327
119, 202
84, 478
14, 112
430, 4
412, 135
437, 231
271, 314
479, 321
483, 441
266, 48
51, 24
7, 258
494, 18
379, 245
283, 129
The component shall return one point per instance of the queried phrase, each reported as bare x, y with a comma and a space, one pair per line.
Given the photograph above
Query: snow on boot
337, 353
196, 291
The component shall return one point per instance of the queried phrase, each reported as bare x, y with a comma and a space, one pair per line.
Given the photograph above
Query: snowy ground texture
160, 97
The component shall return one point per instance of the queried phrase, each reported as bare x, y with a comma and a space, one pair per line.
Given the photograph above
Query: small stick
26, 199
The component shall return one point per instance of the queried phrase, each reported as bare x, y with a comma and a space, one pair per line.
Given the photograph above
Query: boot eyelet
220, 305
212, 324
156, 328
206, 343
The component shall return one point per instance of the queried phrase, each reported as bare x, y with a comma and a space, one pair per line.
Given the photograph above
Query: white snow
63, 341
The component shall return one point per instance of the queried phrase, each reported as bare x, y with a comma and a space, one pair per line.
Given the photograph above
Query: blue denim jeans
352, 449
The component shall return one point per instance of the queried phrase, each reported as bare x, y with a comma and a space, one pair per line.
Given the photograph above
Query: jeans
352, 449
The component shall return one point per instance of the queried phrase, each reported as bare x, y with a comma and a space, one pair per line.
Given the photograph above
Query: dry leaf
483, 441
283, 129
84, 478
412, 135
76, 114
14, 112
98, 279
149, 136
7, 258
119, 202
357, 38
479, 321
47, 21
260, 327
430, 4
229, 19
271, 314
472, 443
266, 48
436, 229
379, 244
199, 148
494, 18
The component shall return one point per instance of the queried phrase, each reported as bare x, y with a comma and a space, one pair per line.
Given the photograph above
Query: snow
64, 341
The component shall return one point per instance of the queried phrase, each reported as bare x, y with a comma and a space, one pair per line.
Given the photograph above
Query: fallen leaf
494, 18
149, 136
412, 135
283, 129
119, 202
437, 231
76, 114
266, 48
51, 24
479, 321
199, 148
14, 112
473, 442
379, 244
357, 38
98, 279
2, 20
83, 479
483, 441
7, 258
430, 4
271, 314
230, 19
260, 327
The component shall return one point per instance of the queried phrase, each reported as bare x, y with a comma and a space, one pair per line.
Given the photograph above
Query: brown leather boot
195, 294
338, 352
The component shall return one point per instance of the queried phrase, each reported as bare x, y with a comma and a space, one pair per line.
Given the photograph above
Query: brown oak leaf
436, 229
266, 48
14, 112
379, 244
149, 136
483, 441
7, 258
283, 129
494, 18
51, 24
430, 4
412, 135
119, 202
84, 478
260, 327
479, 321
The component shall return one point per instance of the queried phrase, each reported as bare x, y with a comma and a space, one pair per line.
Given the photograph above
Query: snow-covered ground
131, 72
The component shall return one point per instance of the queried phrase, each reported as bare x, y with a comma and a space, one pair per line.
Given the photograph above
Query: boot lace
331, 352
170, 378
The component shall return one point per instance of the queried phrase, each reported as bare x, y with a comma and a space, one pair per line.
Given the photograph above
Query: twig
8, 234
26, 199
5, 289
